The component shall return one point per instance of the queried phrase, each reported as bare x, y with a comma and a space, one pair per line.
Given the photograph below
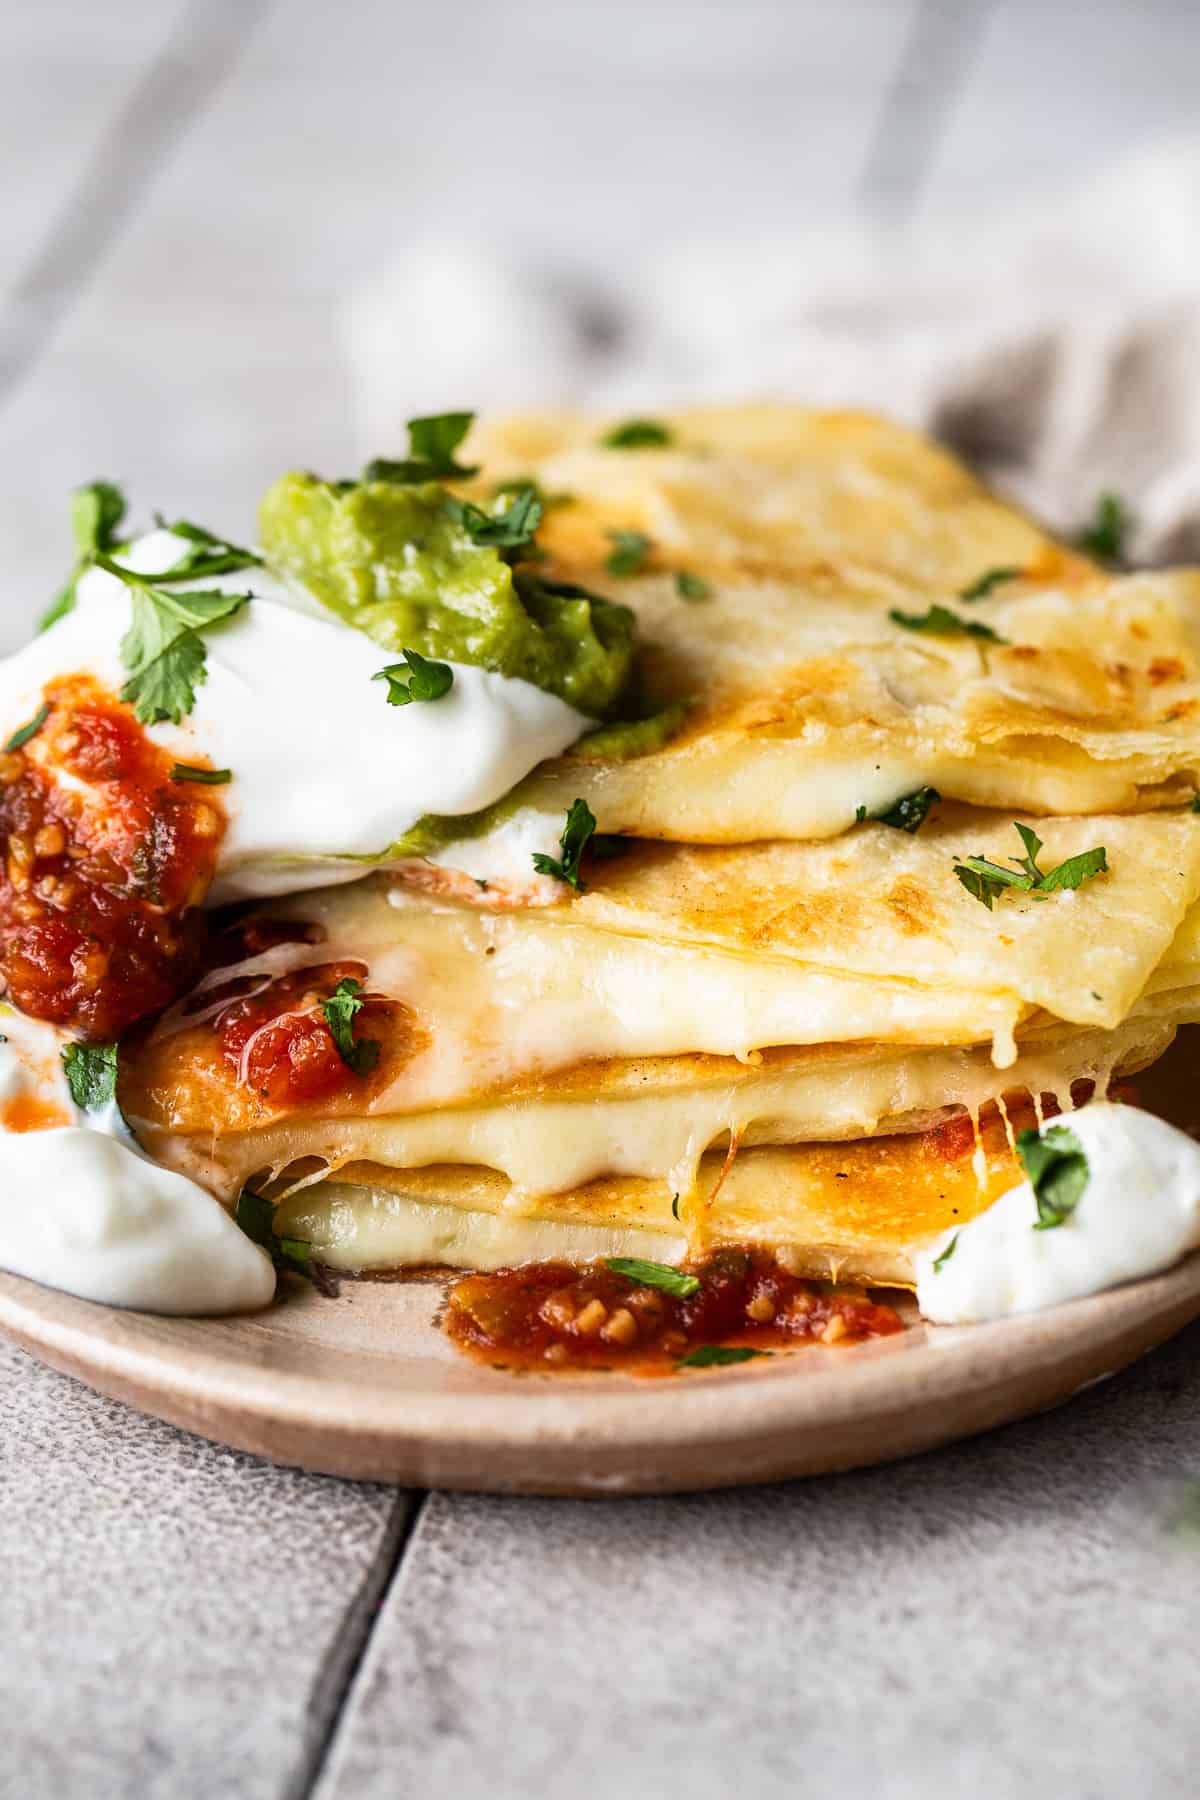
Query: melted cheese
659, 1120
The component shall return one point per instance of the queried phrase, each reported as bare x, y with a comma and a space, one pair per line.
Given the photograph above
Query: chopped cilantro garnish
637, 434
416, 678
519, 483
432, 442
207, 554
629, 552
674, 1206
359, 1055
163, 651
206, 777
256, 1216
1057, 1168
985, 881
718, 1356
1104, 537
91, 1071
991, 578
939, 621
511, 529
947, 1253
580, 825
691, 587
96, 513
655, 1275
24, 732
909, 812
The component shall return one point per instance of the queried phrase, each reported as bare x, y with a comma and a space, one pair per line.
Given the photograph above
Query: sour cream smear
83, 1210
323, 769
1138, 1214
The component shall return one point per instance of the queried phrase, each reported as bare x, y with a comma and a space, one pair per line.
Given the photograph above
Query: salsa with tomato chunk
558, 1315
280, 1043
105, 861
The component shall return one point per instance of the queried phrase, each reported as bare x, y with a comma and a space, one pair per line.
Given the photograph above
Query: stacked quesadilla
891, 842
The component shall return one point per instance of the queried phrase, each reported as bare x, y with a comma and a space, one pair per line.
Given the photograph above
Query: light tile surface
175, 1619
1014, 1616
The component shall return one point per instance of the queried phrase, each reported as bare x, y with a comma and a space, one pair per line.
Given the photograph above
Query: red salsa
105, 861
558, 1315
280, 1044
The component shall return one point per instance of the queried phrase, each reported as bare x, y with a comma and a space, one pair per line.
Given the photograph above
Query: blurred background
242, 235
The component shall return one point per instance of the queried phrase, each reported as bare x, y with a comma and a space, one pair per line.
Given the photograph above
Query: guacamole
392, 560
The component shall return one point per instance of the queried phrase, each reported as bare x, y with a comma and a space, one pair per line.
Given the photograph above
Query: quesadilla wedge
832, 613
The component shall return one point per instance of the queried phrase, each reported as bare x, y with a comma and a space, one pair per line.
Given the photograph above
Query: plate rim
806, 1413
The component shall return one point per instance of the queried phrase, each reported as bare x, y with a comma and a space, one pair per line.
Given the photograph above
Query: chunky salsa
558, 1315
105, 862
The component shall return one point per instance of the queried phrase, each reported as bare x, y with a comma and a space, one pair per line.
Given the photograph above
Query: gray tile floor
191, 186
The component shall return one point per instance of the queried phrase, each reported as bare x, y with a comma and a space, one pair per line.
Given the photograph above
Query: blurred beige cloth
1054, 342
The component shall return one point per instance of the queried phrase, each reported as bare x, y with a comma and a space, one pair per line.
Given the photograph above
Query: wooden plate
365, 1385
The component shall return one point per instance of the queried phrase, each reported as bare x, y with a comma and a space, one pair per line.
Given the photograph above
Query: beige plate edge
364, 1386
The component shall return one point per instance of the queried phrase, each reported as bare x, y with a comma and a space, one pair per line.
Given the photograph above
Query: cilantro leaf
991, 578
511, 529
1104, 536
1075, 871
519, 483
909, 812
432, 441
637, 434
207, 555
96, 514
939, 621
655, 1275
163, 651
985, 881
31, 727
1057, 1168
436, 437
718, 1356
947, 1253
691, 587
91, 1071
629, 552
359, 1055
255, 1215
421, 679
580, 825
207, 777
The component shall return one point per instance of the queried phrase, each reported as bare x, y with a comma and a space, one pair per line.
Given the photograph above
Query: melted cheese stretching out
352, 774
1138, 1214
83, 1210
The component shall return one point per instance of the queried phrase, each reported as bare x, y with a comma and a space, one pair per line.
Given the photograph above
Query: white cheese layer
354, 1228
323, 768
83, 1210
1138, 1214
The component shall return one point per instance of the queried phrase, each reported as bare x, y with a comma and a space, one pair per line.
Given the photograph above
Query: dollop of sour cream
1138, 1214
323, 768
82, 1209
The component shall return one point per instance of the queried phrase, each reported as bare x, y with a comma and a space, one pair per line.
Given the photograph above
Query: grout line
940, 48
172, 92
344, 1659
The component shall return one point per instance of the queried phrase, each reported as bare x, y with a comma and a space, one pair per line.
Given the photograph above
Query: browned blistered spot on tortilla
1165, 668
1182, 710
908, 900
